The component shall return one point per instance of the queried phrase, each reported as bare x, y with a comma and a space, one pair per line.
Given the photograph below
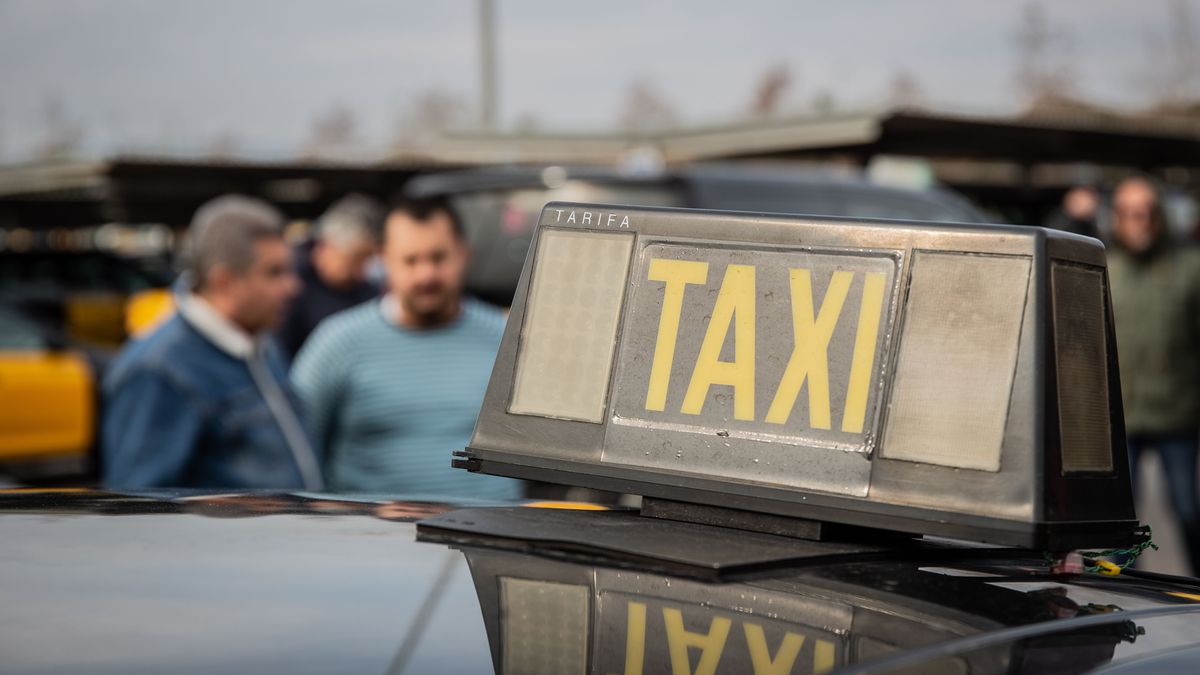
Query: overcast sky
174, 76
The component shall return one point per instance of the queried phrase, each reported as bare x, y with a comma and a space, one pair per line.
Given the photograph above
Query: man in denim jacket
204, 401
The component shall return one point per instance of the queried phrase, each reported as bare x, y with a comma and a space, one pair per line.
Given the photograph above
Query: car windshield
47, 274
828, 198
500, 223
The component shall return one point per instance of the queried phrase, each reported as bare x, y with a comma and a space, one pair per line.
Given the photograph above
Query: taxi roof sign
955, 380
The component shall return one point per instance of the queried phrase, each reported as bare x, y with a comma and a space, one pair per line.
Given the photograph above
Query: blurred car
499, 206
94, 297
48, 397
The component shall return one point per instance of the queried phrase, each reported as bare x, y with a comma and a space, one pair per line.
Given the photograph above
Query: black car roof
196, 582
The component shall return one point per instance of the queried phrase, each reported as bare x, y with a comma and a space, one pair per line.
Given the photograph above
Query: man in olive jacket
1156, 301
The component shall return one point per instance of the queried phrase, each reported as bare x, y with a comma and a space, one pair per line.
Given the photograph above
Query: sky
176, 77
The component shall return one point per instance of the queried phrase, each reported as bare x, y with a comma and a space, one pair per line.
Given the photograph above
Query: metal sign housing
944, 379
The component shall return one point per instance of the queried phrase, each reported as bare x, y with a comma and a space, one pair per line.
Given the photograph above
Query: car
499, 206
49, 393
858, 445
302, 583
92, 296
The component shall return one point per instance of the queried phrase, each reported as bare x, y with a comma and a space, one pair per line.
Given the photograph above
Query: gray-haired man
333, 267
203, 401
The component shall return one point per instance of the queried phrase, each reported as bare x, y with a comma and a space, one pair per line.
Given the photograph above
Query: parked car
93, 297
49, 393
499, 206
269, 583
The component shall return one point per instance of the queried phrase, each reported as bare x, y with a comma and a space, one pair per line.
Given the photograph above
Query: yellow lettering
864, 354
823, 656
760, 656
635, 639
676, 274
736, 306
810, 353
711, 644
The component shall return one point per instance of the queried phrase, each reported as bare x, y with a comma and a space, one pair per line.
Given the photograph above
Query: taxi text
821, 654
735, 309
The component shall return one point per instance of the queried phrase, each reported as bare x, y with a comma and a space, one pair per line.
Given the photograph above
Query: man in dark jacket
333, 267
1080, 206
204, 401
1156, 302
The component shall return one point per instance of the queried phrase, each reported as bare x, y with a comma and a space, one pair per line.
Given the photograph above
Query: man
1156, 303
393, 387
333, 268
1080, 206
202, 401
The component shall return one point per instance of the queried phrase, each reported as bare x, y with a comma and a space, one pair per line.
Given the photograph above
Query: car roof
195, 582
701, 181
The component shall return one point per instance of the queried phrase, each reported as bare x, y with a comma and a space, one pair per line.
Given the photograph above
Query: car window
862, 203
38, 275
767, 197
499, 225
18, 334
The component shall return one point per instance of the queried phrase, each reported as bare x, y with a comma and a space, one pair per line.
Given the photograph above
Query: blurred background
118, 119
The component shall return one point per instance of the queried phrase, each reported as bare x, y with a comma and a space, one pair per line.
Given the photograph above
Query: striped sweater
387, 405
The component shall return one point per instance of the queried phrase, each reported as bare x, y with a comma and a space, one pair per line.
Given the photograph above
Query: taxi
48, 394
860, 446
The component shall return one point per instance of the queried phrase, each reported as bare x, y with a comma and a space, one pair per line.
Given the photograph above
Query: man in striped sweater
392, 387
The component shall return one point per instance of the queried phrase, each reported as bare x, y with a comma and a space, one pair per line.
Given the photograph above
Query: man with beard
393, 387
1156, 305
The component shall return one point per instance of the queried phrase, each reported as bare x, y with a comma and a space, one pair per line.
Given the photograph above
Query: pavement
1153, 508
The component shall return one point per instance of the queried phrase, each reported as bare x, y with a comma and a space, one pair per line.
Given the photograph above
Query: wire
1123, 557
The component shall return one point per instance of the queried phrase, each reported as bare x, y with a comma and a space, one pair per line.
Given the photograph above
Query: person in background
203, 401
1155, 287
333, 267
392, 387
1080, 208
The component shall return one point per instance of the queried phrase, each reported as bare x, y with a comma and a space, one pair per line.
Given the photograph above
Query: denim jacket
179, 411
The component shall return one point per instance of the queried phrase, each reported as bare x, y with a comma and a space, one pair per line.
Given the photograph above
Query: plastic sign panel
893, 374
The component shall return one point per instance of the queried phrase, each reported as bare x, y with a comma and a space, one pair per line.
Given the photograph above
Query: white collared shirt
225, 334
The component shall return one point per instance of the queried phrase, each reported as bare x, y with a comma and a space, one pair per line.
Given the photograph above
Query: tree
62, 135
769, 91
527, 123
223, 146
429, 114
1043, 72
823, 102
646, 109
1172, 71
904, 90
334, 134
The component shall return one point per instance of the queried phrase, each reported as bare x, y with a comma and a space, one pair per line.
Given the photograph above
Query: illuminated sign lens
570, 328
954, 375
545, 627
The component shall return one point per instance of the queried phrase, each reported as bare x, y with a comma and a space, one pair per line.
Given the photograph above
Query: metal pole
487, 63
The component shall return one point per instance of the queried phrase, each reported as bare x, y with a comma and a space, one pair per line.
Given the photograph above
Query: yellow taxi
47, 393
